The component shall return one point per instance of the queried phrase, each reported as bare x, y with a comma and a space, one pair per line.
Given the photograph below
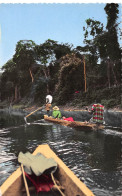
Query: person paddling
48, 106
98, 113
49, 99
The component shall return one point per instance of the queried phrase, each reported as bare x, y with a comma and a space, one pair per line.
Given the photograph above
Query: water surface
94, 156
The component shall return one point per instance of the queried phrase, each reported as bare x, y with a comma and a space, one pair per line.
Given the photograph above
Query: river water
94, 156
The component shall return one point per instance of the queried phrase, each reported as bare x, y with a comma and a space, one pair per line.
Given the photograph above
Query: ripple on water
112, 132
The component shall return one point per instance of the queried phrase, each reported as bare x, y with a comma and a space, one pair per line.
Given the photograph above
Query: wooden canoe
76, 124
72, 185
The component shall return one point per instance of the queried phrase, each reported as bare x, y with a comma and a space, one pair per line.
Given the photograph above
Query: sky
61, 22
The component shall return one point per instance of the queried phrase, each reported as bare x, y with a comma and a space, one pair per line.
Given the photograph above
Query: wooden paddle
57, 187
25, 182
32, 113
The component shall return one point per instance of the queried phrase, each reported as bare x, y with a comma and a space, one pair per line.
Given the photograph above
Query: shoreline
63, 108
67, 107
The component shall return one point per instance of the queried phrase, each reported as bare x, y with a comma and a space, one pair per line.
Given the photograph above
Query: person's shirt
56, 114
49, 99
98, 113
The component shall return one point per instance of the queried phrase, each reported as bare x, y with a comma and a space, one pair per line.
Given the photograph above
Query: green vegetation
109, 97
37, 70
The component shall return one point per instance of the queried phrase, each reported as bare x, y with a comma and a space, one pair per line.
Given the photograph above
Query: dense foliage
59, 69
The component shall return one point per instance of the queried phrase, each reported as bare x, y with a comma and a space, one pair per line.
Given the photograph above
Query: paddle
32, 113
56, 185
25, 182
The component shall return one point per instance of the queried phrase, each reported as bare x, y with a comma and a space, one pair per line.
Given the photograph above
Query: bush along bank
109, 97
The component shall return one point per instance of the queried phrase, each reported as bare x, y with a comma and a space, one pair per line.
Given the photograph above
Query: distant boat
76, 124
72, 185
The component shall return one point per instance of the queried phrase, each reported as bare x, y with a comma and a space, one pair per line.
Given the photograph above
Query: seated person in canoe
97, 112
56, 113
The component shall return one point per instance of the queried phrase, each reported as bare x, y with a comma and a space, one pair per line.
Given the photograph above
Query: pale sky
62, 22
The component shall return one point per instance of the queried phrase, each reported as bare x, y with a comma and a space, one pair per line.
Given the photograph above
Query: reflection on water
95, 157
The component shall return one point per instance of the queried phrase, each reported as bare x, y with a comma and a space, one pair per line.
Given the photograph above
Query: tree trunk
19, 95
46, 76
108, 73
15, 93
84, 72
109, 69
112, 67
31, 74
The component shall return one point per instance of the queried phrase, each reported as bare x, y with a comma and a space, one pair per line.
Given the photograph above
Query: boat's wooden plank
11, 180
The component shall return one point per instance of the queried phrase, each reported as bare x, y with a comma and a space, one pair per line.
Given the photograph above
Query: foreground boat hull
72, 185
76, 124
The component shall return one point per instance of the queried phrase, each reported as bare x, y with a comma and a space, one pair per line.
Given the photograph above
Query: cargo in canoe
14, 185
76, 124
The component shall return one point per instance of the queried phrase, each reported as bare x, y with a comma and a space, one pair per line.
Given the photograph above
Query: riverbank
66, 107
109, 97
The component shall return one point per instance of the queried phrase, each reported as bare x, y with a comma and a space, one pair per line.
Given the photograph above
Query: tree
113, 49
44, 55
10, 80
48, 55
93, 29
70, 78
24, 56
104, 44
